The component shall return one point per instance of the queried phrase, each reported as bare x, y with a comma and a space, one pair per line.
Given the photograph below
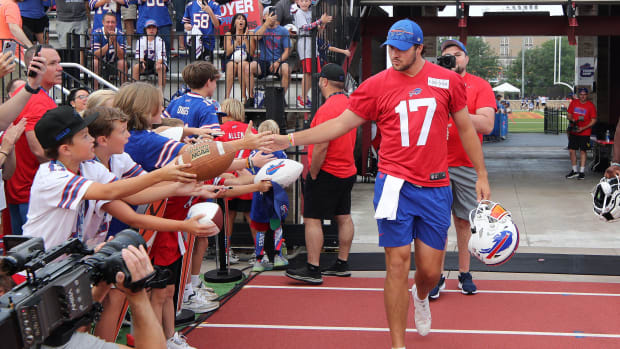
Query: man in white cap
411, 103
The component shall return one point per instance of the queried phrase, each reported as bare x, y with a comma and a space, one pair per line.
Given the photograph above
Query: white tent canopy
506, 87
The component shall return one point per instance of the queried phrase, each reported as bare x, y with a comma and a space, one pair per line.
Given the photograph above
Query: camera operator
146, 329
481, 106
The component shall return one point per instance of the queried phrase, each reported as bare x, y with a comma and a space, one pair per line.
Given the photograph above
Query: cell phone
9, 46
32, 73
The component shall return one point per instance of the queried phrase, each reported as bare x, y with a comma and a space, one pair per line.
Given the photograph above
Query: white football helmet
494, 238
606, 197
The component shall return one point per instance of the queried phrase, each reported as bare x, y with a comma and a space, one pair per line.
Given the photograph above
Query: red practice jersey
412, 113
583, 113
234, 130
479, 95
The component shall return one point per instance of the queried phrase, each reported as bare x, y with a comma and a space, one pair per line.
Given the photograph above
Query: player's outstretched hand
279, 142
192, 226
7, 64
325, 18
483, 190
612, 171
256, 141
173, 172
138, 264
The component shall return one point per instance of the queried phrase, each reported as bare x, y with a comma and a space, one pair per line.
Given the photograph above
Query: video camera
56, 298
446, 61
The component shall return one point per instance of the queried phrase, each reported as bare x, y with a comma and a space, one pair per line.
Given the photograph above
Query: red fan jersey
234, 130
412, 113
479, 95
583, 113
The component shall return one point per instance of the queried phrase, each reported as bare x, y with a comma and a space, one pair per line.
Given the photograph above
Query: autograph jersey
479, 95
152, 9
583, 113
57, 210
234, 130
412, 113
195, 111
102, 10
195, 16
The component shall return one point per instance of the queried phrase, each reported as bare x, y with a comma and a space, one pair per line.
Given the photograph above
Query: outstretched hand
175, 173
193, 226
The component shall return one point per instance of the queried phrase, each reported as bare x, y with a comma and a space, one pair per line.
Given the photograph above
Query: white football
239, 55
211, 211
282, 171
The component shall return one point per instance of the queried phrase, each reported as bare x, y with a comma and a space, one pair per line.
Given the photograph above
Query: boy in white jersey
151, 53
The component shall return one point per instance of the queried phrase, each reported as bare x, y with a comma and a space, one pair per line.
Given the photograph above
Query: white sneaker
200, 304
262, 265
178, 342
279, 261
233, 259
206, 292
422, 313
252, 259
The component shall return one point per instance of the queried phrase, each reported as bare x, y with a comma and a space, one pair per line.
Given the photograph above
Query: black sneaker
249, 103
466, 284
339, 268
581, 175
305, 274
441, 285
572, 174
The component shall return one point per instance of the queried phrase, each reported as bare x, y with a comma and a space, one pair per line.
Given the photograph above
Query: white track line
369, 289
379, 329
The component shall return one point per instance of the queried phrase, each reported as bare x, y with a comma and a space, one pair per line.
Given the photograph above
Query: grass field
524, 121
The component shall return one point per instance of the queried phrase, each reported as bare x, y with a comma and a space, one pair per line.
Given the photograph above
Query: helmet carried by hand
494, 237
606, 199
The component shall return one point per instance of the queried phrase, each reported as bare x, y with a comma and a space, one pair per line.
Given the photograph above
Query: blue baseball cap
150, 23
583, 89
453, 42
404, 34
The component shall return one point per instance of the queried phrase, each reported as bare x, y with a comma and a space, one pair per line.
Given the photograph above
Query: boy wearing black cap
327, 193
62, 186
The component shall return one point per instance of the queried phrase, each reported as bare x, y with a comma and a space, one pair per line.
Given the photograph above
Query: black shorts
578, 142
264, 69
35, 26
239, 205
327, 196
175, 271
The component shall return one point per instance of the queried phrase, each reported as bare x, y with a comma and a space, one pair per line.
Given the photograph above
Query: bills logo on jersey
415, 92
441, 83
501, 242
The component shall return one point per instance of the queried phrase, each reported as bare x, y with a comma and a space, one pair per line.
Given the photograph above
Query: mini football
208, 159
282, 171
211, 211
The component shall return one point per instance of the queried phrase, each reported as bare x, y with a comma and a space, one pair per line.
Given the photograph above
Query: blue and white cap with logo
453, 42
404, 34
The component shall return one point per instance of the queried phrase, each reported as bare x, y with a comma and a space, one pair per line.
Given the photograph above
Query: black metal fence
555, 120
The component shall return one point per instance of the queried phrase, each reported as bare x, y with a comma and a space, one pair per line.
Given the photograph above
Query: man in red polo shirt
329, 183
28, 151
582, 115
481, 106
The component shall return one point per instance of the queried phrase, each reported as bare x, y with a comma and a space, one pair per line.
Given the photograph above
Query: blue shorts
423, 213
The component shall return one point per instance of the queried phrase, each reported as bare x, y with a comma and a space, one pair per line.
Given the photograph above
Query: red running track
276, 312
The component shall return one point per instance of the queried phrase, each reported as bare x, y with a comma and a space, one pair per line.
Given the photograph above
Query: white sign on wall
585, 71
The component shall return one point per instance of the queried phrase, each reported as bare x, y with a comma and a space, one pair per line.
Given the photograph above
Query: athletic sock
575, 168
582, 169
259, 248
195, 280
277, 240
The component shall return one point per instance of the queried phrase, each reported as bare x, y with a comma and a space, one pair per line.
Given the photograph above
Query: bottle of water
607, 136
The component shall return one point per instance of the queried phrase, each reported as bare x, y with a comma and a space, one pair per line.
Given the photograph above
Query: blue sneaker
441, 285
466, 284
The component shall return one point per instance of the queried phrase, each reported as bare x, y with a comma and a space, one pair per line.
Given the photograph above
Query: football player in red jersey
412, 193
481, 106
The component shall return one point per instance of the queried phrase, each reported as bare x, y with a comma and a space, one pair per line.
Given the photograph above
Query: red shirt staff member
582, 113
481, 107
329, 183
411, 103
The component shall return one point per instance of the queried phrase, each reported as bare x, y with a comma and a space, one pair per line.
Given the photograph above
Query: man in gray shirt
72, 17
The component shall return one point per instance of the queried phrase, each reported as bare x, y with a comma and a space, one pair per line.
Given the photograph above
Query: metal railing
555, 120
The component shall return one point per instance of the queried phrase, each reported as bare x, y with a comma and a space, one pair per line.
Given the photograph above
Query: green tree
539, 68
482, 61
